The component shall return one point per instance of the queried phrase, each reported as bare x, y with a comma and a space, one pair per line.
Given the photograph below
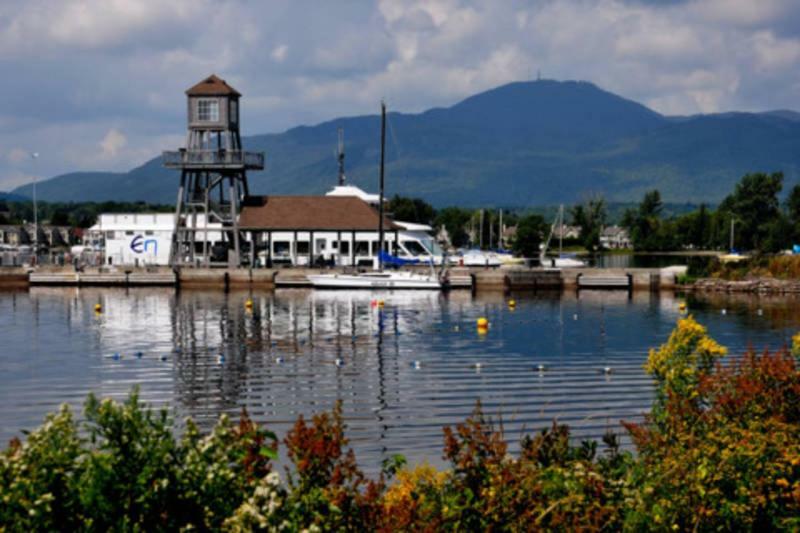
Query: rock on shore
759, 285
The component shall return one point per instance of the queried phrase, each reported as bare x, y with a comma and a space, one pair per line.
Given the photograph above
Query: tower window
208, 110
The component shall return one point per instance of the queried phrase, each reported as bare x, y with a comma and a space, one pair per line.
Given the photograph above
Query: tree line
753, 213
73, 214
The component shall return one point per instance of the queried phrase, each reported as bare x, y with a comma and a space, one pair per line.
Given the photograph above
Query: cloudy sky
98, 84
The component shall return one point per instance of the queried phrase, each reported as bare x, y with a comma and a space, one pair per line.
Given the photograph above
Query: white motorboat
563, 261
376, 280
476, 258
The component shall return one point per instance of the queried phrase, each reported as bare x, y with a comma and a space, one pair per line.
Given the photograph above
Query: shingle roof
329, 213
212, 86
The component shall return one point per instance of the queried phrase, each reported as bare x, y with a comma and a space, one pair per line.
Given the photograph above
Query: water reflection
402, 369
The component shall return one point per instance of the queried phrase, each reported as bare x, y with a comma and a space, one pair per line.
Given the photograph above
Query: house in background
615, 238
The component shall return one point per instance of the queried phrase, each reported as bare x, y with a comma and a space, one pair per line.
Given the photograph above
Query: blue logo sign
140, 245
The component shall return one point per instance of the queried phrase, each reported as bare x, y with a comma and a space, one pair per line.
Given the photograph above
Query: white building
328, 230
139, 239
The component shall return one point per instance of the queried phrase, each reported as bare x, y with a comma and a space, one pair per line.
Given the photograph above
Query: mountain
9, 197
526, 143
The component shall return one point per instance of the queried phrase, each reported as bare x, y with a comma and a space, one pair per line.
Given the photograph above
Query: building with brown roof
309, 230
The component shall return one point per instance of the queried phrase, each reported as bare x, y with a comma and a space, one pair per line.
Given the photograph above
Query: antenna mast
340, 156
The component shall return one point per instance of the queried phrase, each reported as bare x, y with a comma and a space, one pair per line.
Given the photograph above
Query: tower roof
212, 86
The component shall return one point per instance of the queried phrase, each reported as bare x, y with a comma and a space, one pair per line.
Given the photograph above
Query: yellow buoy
682, 306
512, 303
248, 303
98, 308
482, 323
380, 303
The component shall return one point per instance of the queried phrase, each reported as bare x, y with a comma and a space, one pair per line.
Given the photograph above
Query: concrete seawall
502, 279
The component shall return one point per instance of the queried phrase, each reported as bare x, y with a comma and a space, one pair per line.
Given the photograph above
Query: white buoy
607, 370
279, 360
338, 362
724, 311
478, 366
540, 368
417, 365
575, 316
220, 359
760, 312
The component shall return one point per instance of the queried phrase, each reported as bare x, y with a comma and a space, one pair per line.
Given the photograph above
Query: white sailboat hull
376, 280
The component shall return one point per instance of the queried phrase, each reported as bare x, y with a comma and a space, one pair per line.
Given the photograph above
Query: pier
498, 279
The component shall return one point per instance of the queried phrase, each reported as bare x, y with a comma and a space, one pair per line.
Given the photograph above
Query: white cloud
96, 68
279, 53
113, 142
17, 155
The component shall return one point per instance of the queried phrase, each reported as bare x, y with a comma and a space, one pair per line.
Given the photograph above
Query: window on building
302, 247
344, 247
148, 232
234, 112
281, 247
208, 110
109, 235
128, 233
362, 247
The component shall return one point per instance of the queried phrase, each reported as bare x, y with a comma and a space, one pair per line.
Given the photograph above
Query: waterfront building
140, 239
328, 230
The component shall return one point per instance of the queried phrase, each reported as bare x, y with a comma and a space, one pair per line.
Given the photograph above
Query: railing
214, 158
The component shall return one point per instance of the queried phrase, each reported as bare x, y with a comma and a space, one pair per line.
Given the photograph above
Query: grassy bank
719, 451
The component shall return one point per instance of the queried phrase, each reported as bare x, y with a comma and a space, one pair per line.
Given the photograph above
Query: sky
99, 84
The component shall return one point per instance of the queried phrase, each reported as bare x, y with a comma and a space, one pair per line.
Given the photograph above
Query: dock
498, 279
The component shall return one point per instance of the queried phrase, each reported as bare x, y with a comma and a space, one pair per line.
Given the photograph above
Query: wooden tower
213, 178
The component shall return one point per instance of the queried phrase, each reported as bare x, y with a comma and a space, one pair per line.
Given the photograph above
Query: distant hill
10, 197
527, 143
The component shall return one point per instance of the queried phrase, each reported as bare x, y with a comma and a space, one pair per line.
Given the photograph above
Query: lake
407, 369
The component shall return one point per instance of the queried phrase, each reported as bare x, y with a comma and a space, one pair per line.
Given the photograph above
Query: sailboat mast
380, 204
560, 229
732, 223
500, 233
481, 230
340, 157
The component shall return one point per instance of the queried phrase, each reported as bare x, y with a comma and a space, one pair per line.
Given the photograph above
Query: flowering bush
719, 451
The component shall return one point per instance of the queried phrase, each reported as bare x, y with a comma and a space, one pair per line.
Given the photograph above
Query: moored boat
376, 280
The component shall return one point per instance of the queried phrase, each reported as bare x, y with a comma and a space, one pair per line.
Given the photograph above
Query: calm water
279, 359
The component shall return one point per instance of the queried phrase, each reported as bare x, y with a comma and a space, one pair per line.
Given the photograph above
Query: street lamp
35, 156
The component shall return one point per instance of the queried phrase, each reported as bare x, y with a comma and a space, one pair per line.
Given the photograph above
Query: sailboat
380, 278
562, 261
733, 256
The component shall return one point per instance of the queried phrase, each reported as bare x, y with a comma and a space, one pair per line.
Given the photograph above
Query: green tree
793, 207
755, 207
411, 210
530, 230
454, 220
591, 217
